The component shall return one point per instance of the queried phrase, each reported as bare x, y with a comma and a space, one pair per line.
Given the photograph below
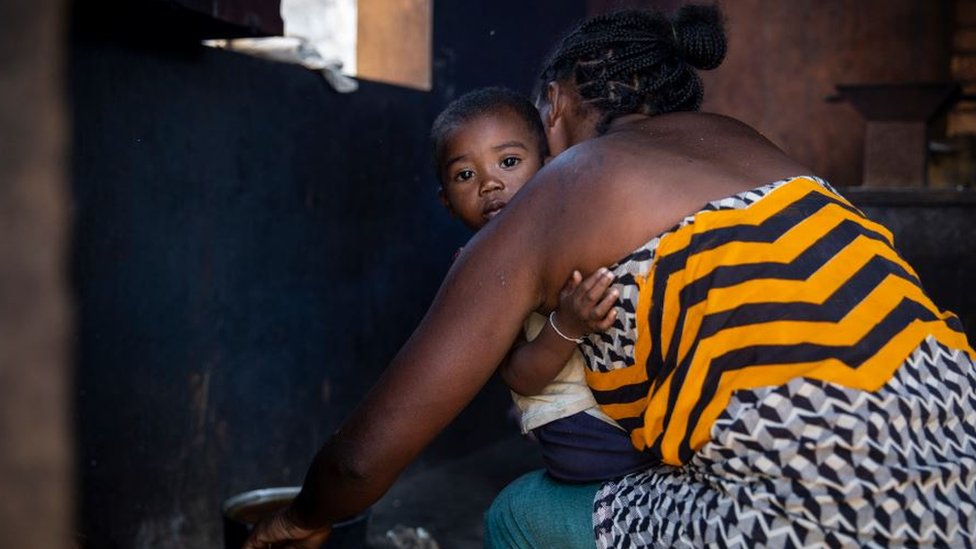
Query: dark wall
250, 250
245, 261
934, 231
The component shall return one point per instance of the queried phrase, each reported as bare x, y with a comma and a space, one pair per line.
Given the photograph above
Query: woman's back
645, 175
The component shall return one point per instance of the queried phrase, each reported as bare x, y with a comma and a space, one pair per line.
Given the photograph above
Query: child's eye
464, 175
510, 161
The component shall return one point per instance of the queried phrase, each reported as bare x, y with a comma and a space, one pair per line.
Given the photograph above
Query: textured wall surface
785, 58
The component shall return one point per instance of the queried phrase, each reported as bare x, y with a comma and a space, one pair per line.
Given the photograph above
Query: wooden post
35, 485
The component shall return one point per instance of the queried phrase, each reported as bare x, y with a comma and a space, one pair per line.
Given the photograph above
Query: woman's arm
467, 331
512, 267
585, 306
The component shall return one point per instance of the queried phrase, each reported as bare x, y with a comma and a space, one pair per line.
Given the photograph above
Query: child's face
485, 162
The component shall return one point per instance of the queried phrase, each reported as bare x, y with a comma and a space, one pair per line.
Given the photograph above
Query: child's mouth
493, 208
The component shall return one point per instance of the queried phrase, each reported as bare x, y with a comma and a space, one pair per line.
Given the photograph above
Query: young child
487, 144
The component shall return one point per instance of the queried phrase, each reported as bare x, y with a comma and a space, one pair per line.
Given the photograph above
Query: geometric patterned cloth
785, 367
614, 349
811, 463
782, 281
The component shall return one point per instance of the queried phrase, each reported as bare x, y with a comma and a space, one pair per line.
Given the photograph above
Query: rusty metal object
898, 118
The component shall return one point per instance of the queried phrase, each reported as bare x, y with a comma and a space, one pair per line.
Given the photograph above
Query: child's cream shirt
566, 395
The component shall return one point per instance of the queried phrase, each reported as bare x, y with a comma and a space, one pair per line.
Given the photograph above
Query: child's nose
491, 183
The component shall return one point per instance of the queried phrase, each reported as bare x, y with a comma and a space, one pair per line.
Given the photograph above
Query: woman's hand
587, 306
279, 531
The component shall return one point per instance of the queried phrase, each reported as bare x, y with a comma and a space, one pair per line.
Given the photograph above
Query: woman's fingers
314, 541
257, 540
266, 533
280, 532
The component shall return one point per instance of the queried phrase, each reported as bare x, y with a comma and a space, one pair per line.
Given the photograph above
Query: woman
772, 352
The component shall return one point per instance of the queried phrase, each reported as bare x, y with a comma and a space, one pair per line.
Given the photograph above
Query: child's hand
586, 306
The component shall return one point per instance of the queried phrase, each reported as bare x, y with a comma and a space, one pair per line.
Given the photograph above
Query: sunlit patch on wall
382, 40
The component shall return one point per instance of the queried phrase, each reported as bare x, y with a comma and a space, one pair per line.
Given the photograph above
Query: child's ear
445, 201
554, 96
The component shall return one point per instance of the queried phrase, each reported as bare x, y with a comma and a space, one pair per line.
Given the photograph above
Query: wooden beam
394, 42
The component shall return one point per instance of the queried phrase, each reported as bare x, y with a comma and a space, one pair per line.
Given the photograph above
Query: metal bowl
243, 511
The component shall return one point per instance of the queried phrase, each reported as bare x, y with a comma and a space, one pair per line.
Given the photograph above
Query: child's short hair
486, 101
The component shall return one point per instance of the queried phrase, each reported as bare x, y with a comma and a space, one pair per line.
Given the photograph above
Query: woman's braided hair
640, 61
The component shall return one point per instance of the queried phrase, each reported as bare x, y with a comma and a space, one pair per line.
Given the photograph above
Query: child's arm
585, 306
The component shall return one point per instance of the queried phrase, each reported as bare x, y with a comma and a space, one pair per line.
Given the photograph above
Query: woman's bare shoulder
584, 167
606, 196
592, 205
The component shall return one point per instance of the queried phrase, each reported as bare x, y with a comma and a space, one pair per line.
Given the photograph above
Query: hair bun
700, 35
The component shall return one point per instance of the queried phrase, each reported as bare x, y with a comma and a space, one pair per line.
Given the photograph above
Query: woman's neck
626, 121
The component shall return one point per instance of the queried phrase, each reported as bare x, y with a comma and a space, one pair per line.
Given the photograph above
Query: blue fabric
537, 512
582, 448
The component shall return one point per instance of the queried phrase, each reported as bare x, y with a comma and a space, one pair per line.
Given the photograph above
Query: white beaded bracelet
562, 335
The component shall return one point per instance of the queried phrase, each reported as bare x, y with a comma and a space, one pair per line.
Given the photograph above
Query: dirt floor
448, 501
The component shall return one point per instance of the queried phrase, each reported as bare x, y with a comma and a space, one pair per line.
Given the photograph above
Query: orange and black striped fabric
789, 280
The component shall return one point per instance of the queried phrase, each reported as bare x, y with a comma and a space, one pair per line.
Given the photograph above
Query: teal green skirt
537, 512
